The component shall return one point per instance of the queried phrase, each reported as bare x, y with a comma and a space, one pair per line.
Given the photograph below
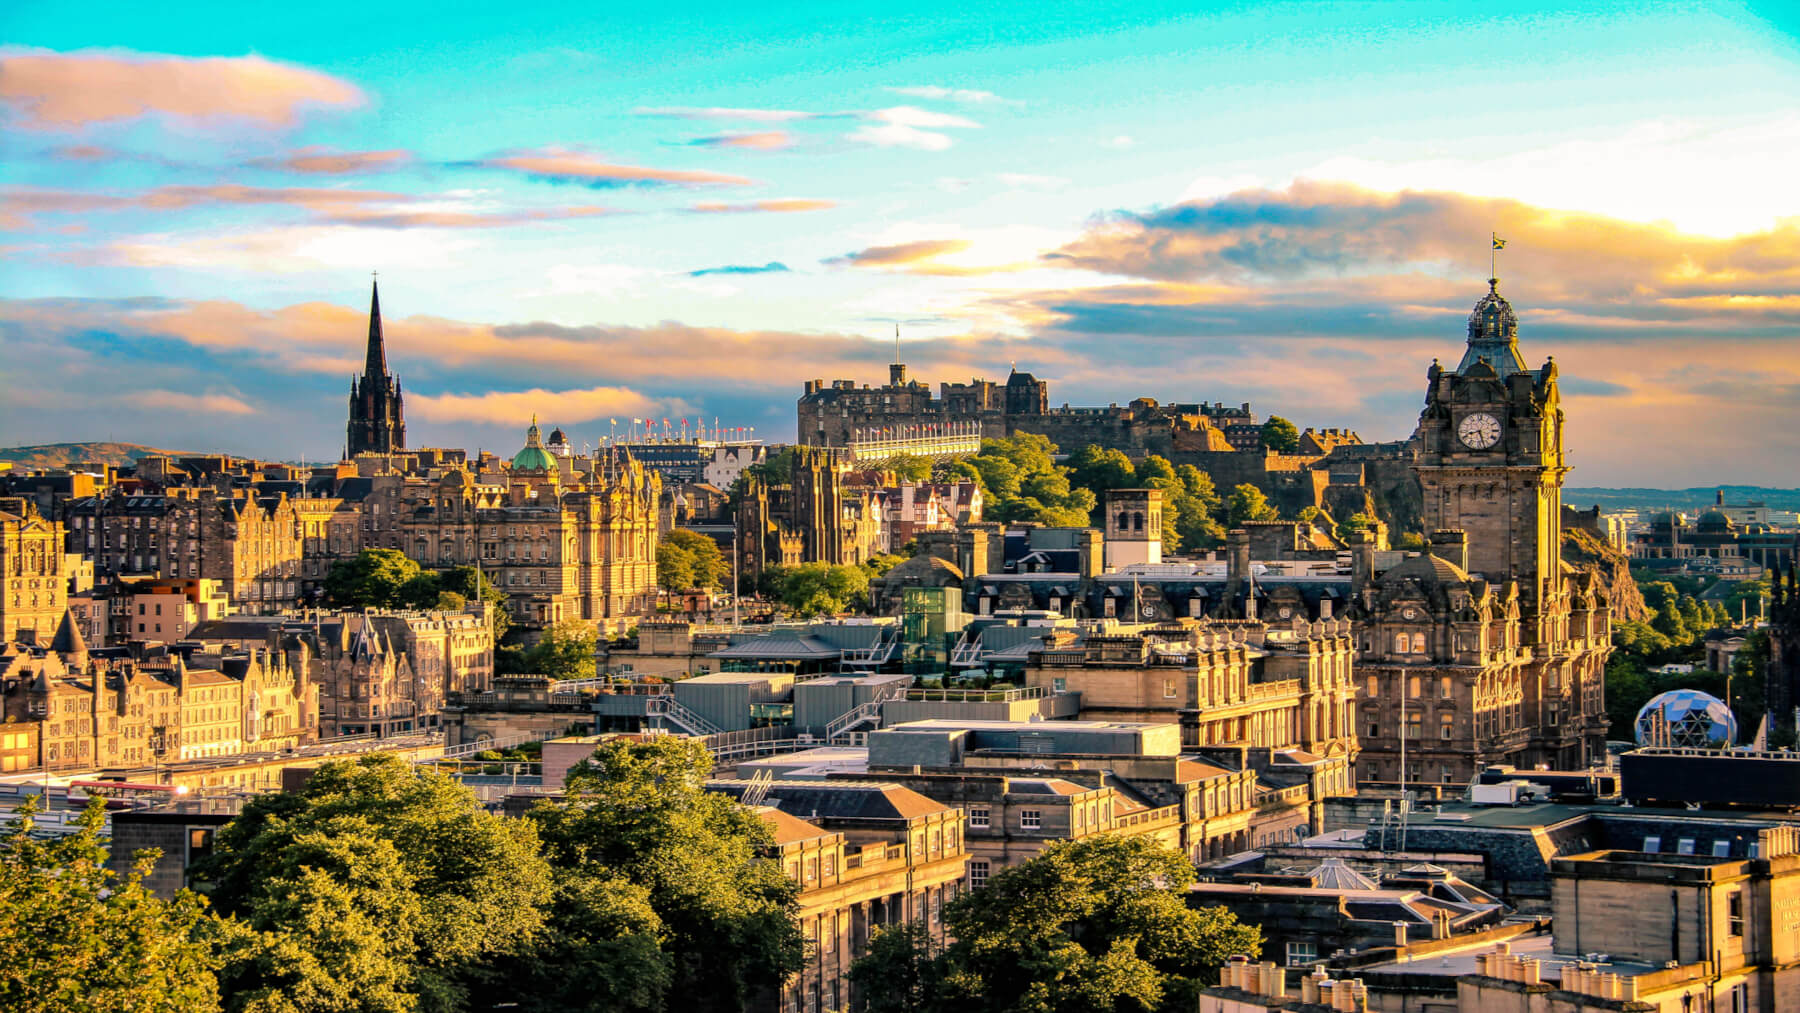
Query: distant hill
65, 455
1679, 499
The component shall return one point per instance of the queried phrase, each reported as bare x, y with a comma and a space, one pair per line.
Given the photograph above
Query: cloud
83, 153
324, 161
901, 254
766, 140
324, 205
567, 165
778, 205
52, 90
910, 127
194, 404
508, 407
969, 95
728, 113
772, 267
1121, 142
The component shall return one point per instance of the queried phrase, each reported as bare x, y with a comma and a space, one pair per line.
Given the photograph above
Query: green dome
533, 457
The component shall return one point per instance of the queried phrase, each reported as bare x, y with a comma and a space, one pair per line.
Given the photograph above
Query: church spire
376, 365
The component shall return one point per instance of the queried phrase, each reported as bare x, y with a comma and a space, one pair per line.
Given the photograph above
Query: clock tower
1489, 455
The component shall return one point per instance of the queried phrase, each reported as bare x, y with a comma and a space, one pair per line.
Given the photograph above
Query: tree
379, 578
815, 588
1156, 473
77, 938
1099, 469
910, 468
565, 650
699, 554
474, 585
1096, 924
880, 563
379, 886
1247, 503
1280, 435
641, 809
450, 601
601, 952
674, 567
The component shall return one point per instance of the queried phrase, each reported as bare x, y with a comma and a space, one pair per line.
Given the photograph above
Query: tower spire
376, 364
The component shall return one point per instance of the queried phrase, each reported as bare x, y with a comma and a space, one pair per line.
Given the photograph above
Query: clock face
1149, 611
1479, 431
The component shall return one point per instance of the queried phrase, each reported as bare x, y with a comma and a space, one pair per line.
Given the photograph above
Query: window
1168, 689
1734, 912
978, 816
830, 863
1302, 954
1444, 688
1413, 687
978, 873
1031, 819
1446, 725
1418, 643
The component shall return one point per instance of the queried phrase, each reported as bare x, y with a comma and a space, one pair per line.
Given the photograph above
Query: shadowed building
377, 419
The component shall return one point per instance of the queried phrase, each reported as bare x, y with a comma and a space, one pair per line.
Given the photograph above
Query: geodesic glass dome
1688, 717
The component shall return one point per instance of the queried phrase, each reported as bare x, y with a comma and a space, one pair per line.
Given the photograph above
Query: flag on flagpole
1499, 244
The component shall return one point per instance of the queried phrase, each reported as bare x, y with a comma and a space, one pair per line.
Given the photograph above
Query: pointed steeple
376, 363
68, 639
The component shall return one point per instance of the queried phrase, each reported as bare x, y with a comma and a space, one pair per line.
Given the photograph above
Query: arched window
1400, 643
1124, 521
1418, 643
1137, 522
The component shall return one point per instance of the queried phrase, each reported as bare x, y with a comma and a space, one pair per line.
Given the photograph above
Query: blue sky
1287, 204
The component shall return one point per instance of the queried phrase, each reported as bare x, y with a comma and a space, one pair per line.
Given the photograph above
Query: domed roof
1714, 522
1494, 334
1685, 717
1428, 569
1665, 520
533, 457
557, 438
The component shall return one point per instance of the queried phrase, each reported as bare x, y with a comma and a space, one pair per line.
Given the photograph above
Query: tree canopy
725, 916
1280, 435
1099, 924
687, 559
377, 887
76, 938
817, 588
1247, 503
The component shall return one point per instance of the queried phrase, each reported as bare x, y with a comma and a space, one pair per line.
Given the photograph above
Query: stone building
377, 407
378, 672
83, 710
250, 545
36, 590
165, 611
814, 517
867, 855
120, 531
1489, 647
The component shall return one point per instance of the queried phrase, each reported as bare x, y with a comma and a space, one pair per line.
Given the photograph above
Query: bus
125, 794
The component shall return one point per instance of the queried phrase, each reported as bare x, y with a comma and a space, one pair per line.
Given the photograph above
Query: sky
592, 213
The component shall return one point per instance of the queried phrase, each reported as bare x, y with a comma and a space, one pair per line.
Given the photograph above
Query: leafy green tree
880, 563
565, 650
377, 578
1280, 435
910, 468
776, 469
1099, 469
1097, 924
964, 470
450, 601
601, 953
711, 569
379, 886
641, 809
814, 588
1247, 503
1156, 473
474, 585
674, 567
999, 475
78, 938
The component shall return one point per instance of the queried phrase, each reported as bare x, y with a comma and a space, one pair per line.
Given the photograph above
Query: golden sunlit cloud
568, 165
51, 90
777, 205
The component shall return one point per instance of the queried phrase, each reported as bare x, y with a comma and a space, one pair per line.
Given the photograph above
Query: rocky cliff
1583, 550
